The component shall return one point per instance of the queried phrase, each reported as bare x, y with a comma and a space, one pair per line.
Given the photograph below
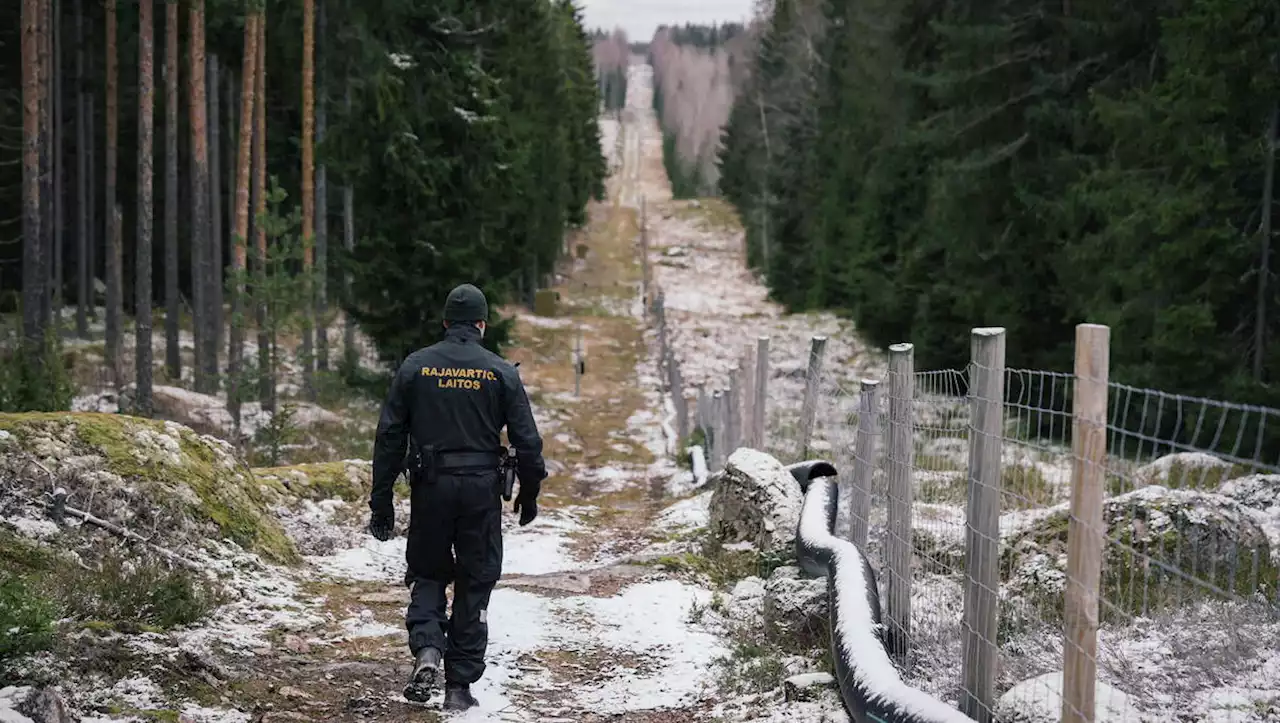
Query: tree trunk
84, 208
216, 241
32, 281
308, 191
115, 291
1264, 263
93, 244
46, 161
241, 233
58, 206
229, 144
349, 243
146, 175
206, 364
322, 203
172, 296
266, 375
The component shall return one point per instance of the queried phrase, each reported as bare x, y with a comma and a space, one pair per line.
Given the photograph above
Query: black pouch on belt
425, 463
508, 468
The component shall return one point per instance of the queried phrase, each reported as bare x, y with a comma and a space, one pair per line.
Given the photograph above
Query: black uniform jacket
456, 396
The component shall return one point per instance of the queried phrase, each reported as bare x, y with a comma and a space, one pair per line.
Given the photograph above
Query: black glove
527, 502
382, 525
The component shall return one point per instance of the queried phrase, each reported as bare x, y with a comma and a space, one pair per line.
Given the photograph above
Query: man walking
447, 406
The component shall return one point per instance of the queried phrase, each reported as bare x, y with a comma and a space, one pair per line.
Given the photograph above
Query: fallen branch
57, 508
134, 537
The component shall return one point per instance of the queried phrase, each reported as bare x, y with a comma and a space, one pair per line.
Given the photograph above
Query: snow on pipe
870, 686
698, 459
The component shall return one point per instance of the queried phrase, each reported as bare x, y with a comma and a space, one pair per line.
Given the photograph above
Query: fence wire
1188, 608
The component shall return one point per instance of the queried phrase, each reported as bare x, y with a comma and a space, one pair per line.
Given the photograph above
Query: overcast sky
640, 18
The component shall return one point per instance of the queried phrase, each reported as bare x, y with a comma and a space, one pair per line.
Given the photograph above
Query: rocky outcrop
754, 499
158, 479
1209, 536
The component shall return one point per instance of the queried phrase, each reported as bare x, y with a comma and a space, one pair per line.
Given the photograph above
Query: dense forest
237, 167
696, 70
930, 166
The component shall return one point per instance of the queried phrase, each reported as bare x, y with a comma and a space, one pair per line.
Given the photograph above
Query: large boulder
795, 609
1260, 493
746, 602
1208, 536
755, 499
1185, 470
204, 413
1039, 700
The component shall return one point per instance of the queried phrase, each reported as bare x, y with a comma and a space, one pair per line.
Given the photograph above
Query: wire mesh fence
1045, 542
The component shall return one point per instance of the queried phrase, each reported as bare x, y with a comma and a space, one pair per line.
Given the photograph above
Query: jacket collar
462, 333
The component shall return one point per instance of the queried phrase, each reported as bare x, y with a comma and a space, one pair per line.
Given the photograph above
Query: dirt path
580, 628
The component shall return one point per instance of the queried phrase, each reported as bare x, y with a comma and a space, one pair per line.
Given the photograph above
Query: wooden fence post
677, 398
864, 462
982, 528
761, 404
897, 544
644, 256
734, 410
1085, 528
812, 378
718, 433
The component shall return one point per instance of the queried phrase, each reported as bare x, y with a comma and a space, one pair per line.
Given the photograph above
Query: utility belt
428, 464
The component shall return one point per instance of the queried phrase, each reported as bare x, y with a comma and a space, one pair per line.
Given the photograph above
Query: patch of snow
365, 625
34, 528
10, 698
1039, 700
370, 560
542, 546
692, 512
649, 620
198, 714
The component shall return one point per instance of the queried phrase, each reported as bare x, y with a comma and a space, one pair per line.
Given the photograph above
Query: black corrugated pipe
869, 683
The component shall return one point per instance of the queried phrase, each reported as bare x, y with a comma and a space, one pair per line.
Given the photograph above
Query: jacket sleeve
522, 430
390, 444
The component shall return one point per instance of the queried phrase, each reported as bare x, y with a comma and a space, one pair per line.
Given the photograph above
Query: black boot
457, 696
425, 677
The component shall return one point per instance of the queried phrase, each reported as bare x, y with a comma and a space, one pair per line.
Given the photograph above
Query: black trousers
455, 535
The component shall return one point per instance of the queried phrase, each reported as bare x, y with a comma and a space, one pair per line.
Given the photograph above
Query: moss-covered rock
349, 480
156, 477
1163, 548
1188, 470
1260, 492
